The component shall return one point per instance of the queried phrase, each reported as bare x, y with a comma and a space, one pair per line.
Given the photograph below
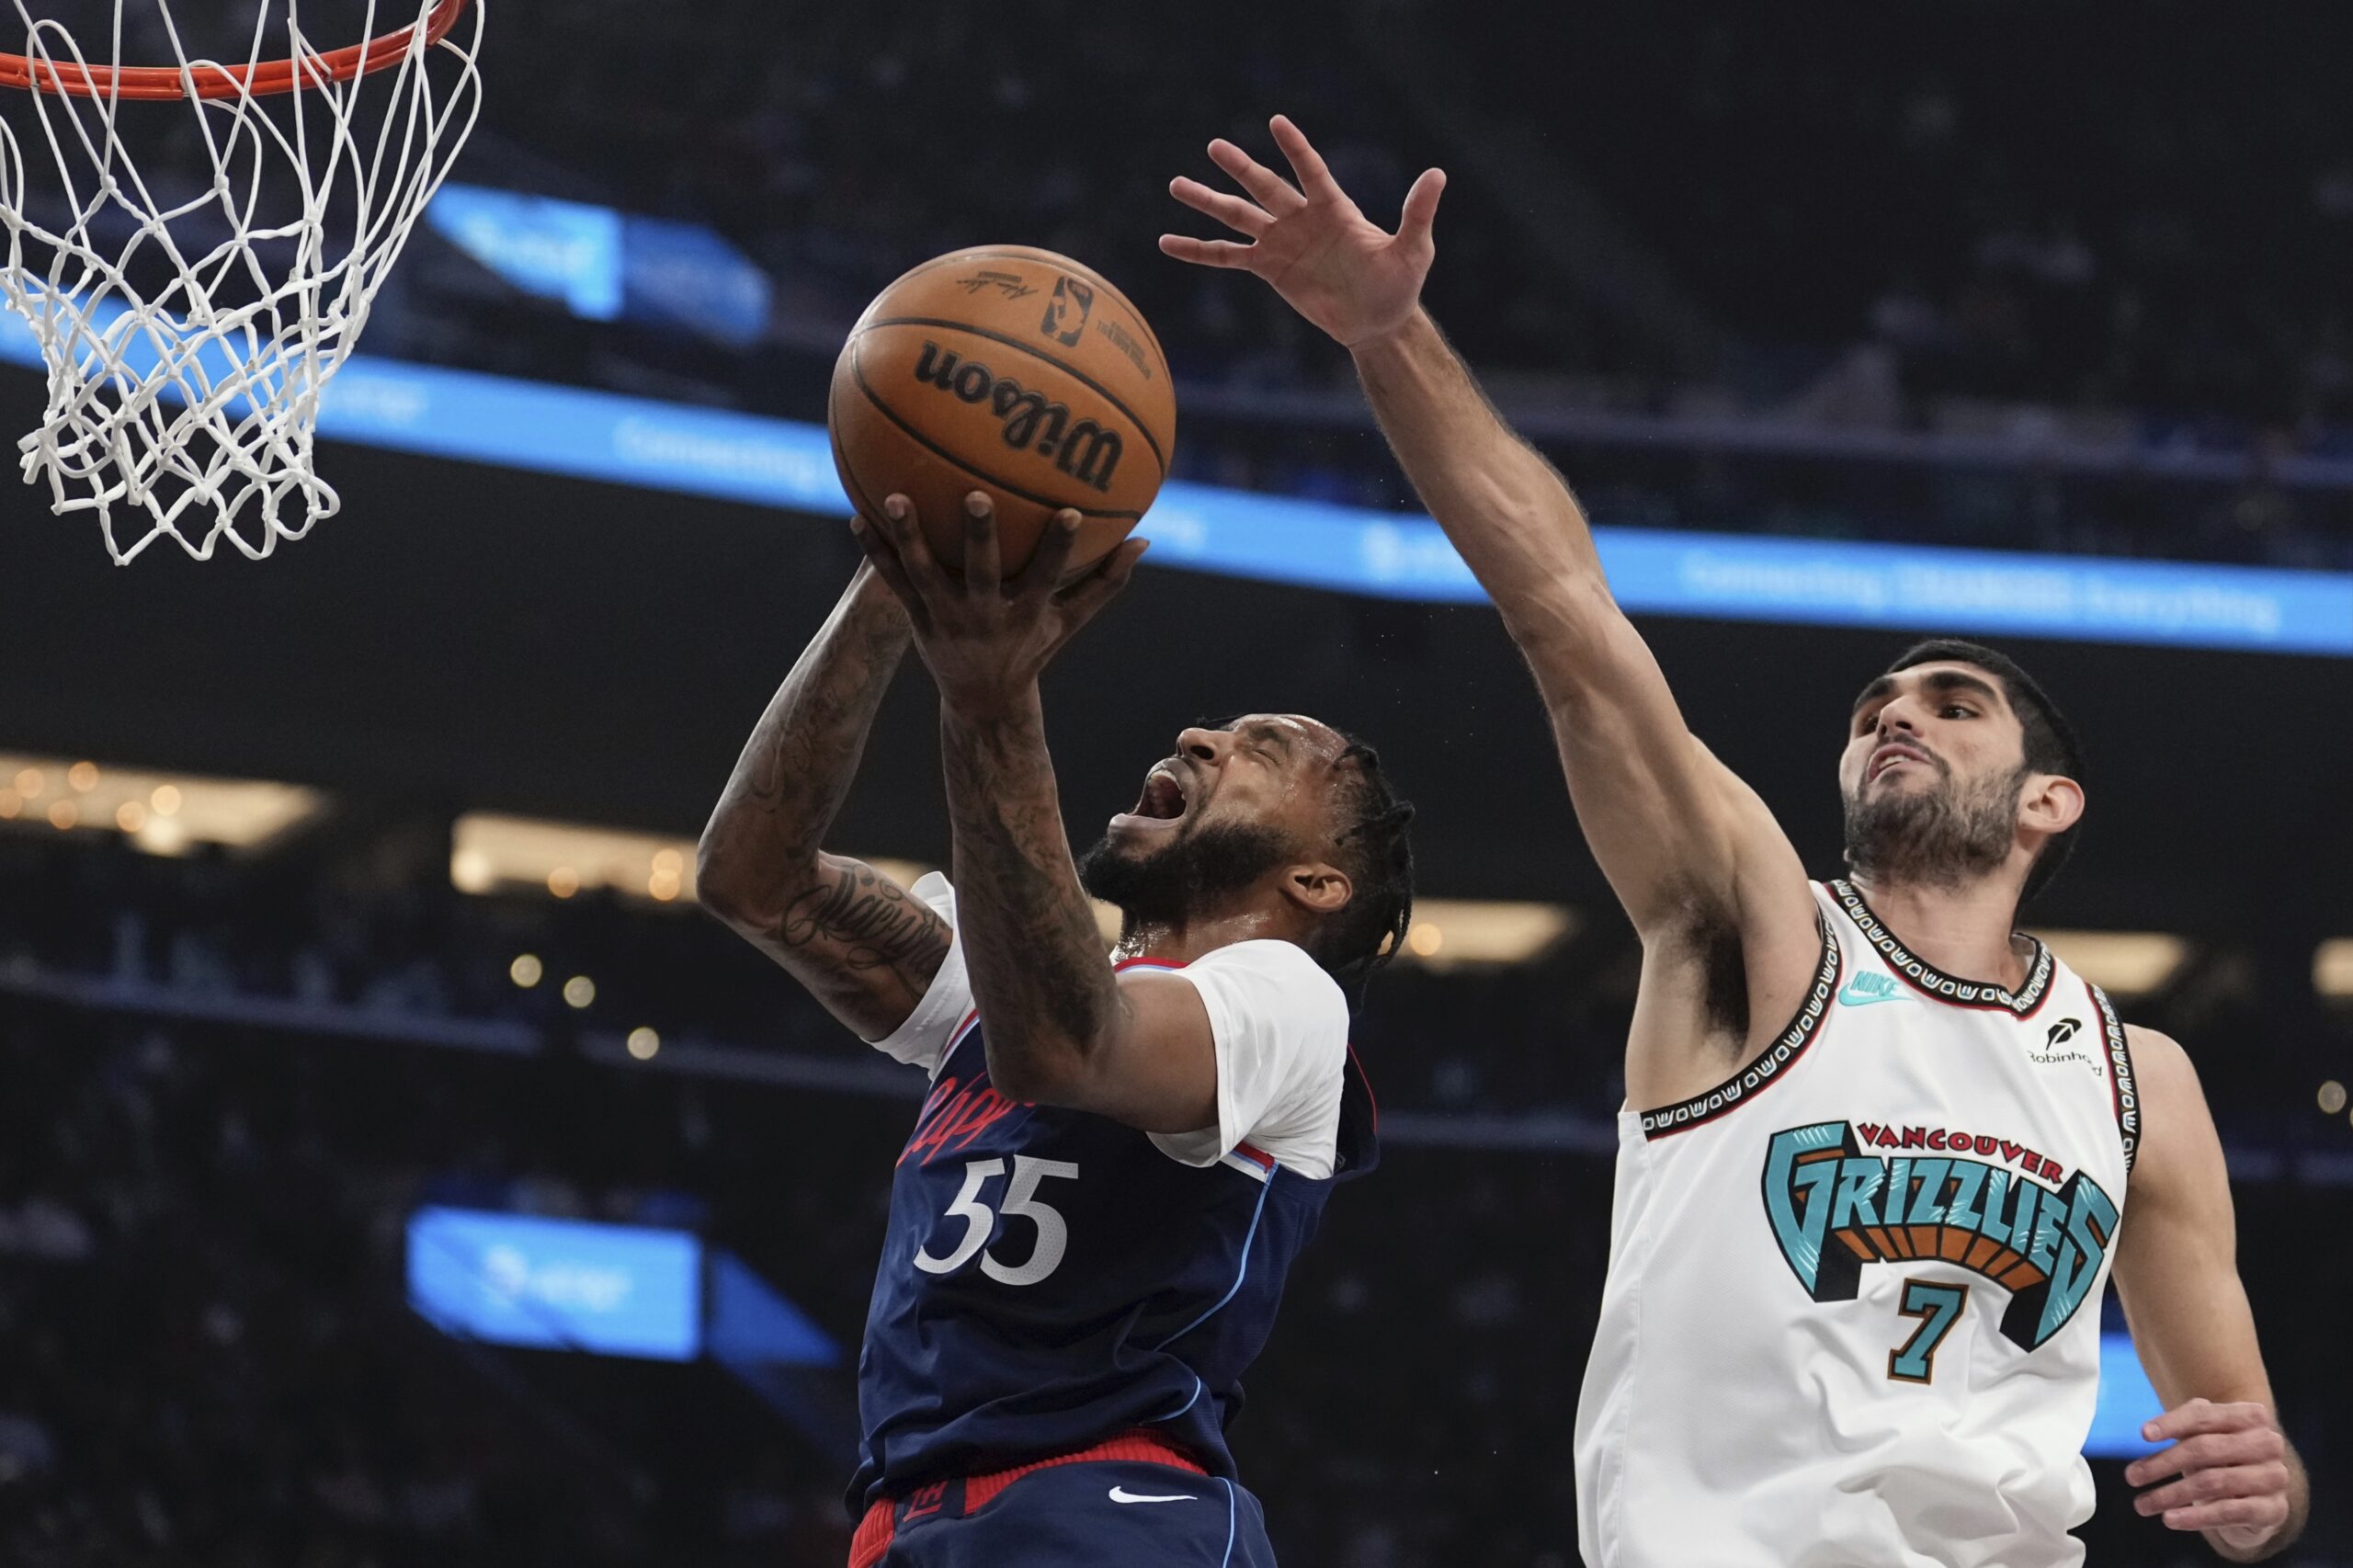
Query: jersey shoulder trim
2123, 1090
1916, 974
1776, 1059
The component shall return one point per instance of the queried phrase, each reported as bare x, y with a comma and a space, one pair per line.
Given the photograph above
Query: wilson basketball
1010, 371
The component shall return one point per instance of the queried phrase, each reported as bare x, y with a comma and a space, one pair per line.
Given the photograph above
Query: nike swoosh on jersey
1853, 998
1121, 1495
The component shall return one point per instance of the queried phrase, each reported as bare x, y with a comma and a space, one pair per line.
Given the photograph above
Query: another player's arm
1683, 842
2230, 1471
860, 945
1706, 874
1063, 1027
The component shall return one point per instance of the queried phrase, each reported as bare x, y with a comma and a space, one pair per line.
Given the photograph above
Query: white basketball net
190, 327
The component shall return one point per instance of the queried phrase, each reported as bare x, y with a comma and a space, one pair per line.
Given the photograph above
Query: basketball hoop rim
259, 79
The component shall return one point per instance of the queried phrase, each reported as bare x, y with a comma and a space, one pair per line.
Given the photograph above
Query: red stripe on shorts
880, 1527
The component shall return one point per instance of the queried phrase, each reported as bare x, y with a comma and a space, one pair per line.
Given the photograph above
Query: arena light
2125, 963
557, 1284
493, 853
2333, 969
1106, 921
605, 265
163, 813
489, 853
1452, 932
583, 1286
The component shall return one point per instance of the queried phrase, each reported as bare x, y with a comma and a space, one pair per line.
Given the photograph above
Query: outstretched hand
1316, 246
985, 639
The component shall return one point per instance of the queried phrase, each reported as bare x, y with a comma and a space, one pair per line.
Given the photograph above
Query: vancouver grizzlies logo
1835, 1209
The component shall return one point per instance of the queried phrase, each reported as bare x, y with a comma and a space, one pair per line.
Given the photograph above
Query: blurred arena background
346, 902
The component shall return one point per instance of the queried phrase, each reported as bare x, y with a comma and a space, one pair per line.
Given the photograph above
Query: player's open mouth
1888, 756
1162, 798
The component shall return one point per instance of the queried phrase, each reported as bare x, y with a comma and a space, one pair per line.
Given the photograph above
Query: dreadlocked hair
1372, 848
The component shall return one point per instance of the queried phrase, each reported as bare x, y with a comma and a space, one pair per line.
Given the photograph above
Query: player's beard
1185, 878
1939, 837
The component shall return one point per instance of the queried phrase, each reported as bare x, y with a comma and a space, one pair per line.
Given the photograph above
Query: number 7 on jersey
1938, 1306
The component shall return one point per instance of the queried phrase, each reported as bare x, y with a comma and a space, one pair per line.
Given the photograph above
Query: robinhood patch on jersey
1835, 1209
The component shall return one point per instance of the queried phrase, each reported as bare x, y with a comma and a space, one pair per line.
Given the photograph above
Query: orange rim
260, 79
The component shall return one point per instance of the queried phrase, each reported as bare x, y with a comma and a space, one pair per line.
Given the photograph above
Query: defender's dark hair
1370, 824
2051, 743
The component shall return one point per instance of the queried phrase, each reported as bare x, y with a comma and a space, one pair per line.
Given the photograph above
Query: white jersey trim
1760, 1073
1943, 988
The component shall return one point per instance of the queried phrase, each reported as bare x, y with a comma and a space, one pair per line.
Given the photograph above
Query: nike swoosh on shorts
1121, 1495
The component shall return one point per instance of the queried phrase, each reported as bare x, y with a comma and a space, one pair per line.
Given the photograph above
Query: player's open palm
1331, 263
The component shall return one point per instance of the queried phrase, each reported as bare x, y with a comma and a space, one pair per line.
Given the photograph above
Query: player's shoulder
2158, 1054
2181, 1156
2161, 1070
1274, 962
1272, 991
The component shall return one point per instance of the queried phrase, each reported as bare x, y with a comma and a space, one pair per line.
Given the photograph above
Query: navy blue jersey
1052, 1278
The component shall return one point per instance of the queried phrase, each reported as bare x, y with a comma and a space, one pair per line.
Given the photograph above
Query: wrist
2230, 1552
2272, 1542
871, 598
988, 702
1393, 342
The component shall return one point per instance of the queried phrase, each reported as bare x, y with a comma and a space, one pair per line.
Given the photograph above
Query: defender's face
1265, 771
1929, 728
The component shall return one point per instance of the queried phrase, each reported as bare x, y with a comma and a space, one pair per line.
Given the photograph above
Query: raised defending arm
859, 944
1706, 874
1662, 816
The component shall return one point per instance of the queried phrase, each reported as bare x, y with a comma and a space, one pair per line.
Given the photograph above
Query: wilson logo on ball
1084, 450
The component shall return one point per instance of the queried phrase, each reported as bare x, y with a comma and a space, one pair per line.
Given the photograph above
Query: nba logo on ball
954, 381
1066, 312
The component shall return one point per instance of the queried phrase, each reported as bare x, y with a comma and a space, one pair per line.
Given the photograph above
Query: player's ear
1319, 888
2051, 803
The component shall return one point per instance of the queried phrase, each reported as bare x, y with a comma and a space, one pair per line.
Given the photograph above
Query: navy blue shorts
1095, 1514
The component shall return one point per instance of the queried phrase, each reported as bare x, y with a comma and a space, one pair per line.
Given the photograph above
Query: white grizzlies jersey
1852, 1315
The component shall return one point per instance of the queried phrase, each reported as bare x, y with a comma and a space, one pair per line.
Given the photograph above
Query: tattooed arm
861, 946
1063, 1027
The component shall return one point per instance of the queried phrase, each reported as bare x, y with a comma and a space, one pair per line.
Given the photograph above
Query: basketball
1010, 371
